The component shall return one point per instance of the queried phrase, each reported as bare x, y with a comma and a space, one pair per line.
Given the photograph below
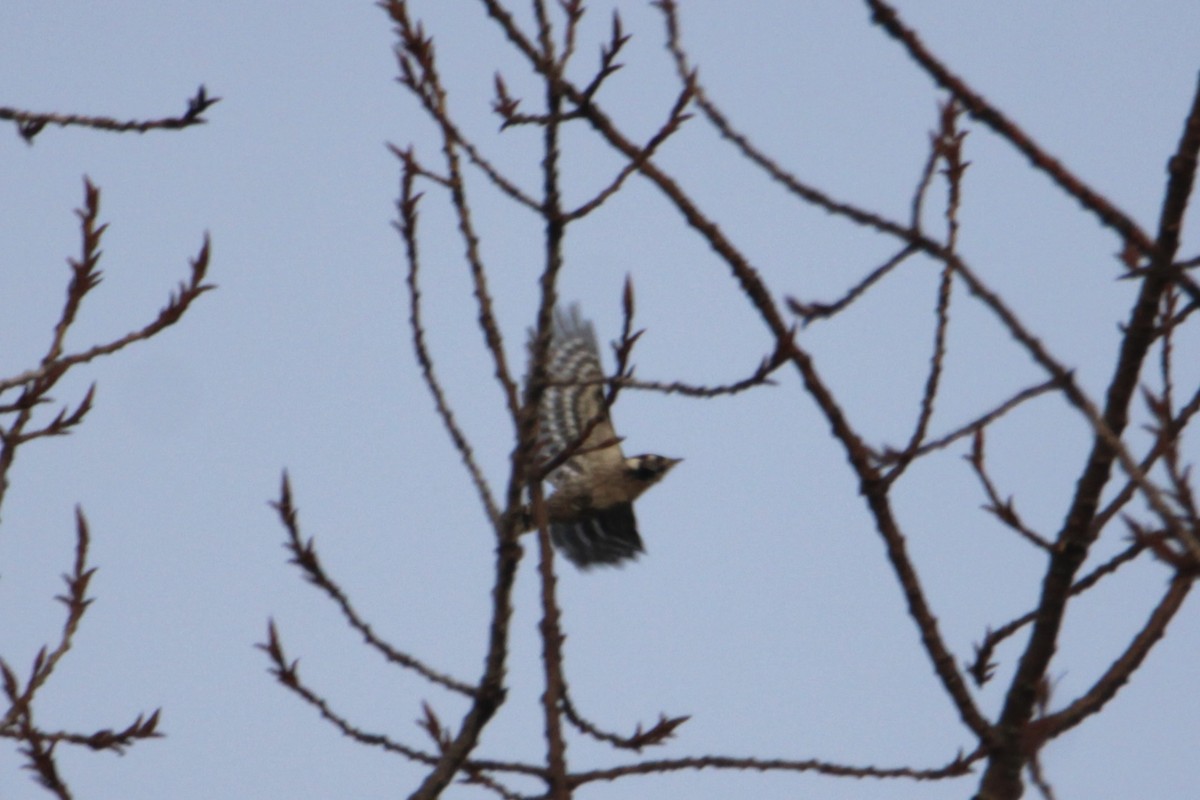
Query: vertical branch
85, 276
77, 603
555, 231
419, 73
407, 225
759, 295
550, 629
1002, 778
1011, 746
947, 145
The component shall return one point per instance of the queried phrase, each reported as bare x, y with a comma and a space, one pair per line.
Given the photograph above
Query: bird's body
591, 510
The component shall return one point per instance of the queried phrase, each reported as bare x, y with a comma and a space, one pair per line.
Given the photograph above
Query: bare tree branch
1109, 215
30, 123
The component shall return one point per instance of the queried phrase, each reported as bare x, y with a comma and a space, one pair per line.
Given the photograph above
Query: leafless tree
1123, 488
26, 401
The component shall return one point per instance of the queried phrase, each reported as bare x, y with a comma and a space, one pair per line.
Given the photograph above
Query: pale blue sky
764, 607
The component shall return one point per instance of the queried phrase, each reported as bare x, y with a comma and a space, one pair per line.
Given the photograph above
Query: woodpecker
591, 510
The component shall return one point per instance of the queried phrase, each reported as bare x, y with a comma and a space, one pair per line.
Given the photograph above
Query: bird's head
649, 469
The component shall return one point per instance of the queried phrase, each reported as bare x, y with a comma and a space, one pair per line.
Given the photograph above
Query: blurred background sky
764, 607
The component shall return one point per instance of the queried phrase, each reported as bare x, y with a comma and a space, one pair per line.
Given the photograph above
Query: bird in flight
591, 510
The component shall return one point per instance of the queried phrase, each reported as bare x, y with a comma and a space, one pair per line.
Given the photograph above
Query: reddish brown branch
1004, 509
1167, 432
419, 73
39, 755
287, 673
1078, 533
979, 108
760, 377
38, 382
1009, 748
1121, 670
979, 423
810, 312
915, 237
407, 226
770, 166
675, 119
947, 143
961, 765
39, 745
550, 627
550, 630
982, 667
118, 741
304, 556
44, 663
757, 293
658, 733
30, 123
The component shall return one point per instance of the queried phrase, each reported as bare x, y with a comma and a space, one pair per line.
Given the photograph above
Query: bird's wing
567, 410
602, 536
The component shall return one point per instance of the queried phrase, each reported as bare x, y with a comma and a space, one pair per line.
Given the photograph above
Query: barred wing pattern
591, 523
567, 410
601, 536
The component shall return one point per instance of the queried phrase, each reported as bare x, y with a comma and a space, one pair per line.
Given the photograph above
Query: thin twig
77, 603
1121, 670
810, 312
1079, 532
948, 144
981, 668
979, 423
304, 556
407, 226
31, 123
675, 119
961, 765
418, 71
757, 293
659, 733
287, 673
1003, 509
978, 107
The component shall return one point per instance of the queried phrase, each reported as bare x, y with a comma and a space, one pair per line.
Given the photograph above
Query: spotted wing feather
567, 410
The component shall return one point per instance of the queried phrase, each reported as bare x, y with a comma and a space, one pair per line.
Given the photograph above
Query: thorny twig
1023, 725
1003, 509
983, 111
407, 226
811, 312
39, 745
982, 667
37, 383
657, 734
758, 294
304, 556
960, 765
31, 123
947, 143
978, 423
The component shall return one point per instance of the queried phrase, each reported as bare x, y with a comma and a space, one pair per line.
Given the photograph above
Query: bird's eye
644, 473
